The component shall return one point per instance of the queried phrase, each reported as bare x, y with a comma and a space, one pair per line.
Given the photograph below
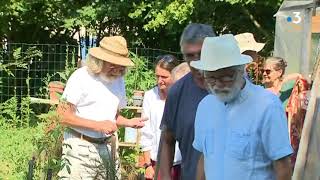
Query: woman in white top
153, 106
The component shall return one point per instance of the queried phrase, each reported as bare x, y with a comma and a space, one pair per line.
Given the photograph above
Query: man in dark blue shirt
181, 106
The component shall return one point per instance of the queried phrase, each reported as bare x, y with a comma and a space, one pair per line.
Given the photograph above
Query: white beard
107, 79
226, 95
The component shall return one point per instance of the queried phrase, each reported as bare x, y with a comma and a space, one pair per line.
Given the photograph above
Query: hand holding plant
137, 122
107, 127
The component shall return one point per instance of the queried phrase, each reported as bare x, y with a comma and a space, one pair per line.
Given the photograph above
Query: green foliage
156, 24
14, 62
48, 145
27, 115
168, 18
141, 22
140, 77
39, 19
70, 67
16, 150
21, 58
8, 113
128, 158
161, 13
17, 62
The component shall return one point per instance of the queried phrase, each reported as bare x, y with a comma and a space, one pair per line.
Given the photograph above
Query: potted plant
138, 79
137, 98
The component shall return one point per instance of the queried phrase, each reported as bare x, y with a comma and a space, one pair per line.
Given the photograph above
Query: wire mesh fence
26, 69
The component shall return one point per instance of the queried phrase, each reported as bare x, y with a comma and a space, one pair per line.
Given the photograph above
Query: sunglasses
267, 71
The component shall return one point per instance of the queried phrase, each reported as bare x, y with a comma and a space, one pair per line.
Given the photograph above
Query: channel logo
296, 18
294, 21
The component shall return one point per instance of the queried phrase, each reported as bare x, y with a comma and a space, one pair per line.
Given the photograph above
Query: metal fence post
30, 168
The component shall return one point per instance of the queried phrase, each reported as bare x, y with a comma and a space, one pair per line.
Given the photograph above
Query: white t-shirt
94, 98
153, 108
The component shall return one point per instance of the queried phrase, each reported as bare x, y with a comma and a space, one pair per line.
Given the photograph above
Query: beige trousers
85, 160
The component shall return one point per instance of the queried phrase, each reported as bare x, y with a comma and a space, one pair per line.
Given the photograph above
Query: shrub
16, 150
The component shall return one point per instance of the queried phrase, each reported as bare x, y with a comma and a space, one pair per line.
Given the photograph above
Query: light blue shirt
240, 140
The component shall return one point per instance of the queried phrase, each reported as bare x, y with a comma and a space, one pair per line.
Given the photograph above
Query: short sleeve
146, 132
274, 132
169, 113
73, 92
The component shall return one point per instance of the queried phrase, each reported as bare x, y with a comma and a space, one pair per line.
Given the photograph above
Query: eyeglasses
117, 67
223, 79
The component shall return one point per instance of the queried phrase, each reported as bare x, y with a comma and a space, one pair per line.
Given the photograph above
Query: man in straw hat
93, 96
240, 128
180, 108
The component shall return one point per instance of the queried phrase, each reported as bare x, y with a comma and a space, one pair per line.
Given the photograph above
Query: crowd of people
204, 119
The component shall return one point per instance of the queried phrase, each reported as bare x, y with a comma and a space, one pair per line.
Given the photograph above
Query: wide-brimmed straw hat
113, 50
247, 42
220, 52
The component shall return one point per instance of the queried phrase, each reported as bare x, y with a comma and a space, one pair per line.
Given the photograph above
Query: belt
106, 140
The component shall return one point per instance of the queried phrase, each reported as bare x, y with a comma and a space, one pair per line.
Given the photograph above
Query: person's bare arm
200, 168
147, 157
282, 168
134, 122
167, 149
67, 115
149, 174
292, 76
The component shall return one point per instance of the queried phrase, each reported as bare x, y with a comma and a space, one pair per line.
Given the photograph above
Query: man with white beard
240, 128
93, 96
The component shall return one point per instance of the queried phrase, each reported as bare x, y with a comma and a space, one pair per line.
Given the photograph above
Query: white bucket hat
220, 52
247, 42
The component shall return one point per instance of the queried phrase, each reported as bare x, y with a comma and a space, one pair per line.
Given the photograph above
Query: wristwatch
146, 165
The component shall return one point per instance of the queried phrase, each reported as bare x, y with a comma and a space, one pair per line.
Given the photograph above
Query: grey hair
180, 71
279, 63
194, 33
94, 64
240, 68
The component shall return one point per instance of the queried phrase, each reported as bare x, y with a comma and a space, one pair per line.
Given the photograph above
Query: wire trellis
31, 66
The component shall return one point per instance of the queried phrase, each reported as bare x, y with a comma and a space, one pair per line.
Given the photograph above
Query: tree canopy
155, 24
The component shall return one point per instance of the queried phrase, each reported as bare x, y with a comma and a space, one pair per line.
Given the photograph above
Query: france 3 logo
294, 21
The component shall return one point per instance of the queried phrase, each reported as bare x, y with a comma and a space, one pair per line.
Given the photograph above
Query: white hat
220, 52
247, 42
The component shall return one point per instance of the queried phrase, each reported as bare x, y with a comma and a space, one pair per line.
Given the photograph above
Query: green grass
15, 151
